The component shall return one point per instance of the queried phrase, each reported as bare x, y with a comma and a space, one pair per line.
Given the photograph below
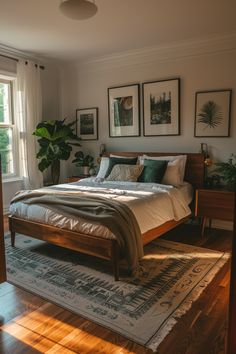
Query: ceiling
38, 27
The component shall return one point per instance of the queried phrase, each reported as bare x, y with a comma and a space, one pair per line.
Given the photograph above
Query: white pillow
173, 175
103, 167
175, 171
122, 157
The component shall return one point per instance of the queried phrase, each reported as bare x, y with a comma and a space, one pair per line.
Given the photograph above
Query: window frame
12, 125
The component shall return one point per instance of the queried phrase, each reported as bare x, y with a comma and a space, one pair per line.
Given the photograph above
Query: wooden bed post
13, 234
115, 257
13, 237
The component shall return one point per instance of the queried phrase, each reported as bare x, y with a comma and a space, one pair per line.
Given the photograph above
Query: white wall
204, 72
201, 68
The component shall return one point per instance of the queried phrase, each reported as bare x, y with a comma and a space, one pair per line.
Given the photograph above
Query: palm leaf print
210, 115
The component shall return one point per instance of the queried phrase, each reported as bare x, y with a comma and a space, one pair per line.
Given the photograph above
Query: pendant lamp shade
78, 9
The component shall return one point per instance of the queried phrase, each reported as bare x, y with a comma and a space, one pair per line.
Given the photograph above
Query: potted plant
227, 171
84, 161
55, 141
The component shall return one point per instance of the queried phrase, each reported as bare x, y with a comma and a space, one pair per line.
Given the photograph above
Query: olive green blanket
116, 216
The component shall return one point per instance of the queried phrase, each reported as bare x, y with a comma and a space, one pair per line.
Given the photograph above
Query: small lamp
102, 149
207, 159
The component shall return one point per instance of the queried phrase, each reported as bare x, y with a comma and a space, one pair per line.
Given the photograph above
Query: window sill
12, 179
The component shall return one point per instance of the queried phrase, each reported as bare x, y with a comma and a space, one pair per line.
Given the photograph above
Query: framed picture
161, 107
212, 113
123, 108
87, 123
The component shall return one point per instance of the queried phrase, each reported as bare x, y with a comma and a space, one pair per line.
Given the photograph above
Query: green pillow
120, 161
153, 171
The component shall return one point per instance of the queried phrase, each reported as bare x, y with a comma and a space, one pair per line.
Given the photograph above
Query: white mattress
152, 204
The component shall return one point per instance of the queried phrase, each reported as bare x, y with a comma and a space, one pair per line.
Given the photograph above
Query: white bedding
152, 204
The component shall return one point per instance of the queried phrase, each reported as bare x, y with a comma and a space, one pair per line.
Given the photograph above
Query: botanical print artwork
160, 107
87, 123
212, 113
123, 111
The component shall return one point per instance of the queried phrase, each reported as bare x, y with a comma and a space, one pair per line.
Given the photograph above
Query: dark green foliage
83, 160
153, 171
55, 141
210, 115
4, 144
161, 109
228, 171
4, 134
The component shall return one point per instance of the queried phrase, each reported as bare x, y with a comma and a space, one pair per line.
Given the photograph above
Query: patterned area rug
143, 309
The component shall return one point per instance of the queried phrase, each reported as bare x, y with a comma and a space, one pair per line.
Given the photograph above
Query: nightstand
71, 179
214, 204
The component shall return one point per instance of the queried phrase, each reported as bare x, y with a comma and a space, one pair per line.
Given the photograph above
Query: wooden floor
29, 324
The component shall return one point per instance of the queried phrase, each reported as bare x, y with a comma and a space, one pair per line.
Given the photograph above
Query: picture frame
212, 113
161, 107
124, 111
87, 123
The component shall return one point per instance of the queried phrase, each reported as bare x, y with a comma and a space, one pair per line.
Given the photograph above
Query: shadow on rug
175, 275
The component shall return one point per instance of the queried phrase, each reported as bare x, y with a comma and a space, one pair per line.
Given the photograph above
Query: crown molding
19, 54
15, 53
162, 53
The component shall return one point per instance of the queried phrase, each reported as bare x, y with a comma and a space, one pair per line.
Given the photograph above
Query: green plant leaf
210, 115
42, 132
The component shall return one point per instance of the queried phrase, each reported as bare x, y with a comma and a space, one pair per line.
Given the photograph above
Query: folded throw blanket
116, 216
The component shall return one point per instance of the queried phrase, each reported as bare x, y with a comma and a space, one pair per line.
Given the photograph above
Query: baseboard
220, 224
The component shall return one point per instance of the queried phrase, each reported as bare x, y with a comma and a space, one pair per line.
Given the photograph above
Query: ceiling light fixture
78, 9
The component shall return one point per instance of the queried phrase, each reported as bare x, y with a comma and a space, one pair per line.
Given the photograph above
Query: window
7, 129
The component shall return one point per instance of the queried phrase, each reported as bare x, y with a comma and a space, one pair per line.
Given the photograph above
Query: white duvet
152, 204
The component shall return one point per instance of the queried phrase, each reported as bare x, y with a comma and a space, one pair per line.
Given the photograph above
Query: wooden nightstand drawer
214, 204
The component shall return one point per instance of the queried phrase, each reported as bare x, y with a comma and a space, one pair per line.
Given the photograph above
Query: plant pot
85, 170
55, 171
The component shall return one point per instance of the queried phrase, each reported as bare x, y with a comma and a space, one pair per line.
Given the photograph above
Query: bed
99, 242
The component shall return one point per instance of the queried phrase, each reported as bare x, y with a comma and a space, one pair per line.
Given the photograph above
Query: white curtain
29, 114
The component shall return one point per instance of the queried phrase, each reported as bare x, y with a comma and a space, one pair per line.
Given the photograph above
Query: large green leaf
43, 133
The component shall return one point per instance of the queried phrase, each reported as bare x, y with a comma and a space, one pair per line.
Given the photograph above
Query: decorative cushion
175, 171
128, 173
153, 171
103, 167
119, 161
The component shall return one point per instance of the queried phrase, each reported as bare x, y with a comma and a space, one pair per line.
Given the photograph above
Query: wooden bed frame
101, 247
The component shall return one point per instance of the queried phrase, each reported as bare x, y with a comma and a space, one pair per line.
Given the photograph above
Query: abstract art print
123, 105
161, 107
87, 123
212, 113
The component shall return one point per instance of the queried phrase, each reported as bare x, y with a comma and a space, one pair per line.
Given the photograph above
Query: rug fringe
186, 305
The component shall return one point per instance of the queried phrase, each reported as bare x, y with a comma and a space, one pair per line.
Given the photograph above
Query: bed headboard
194, 172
